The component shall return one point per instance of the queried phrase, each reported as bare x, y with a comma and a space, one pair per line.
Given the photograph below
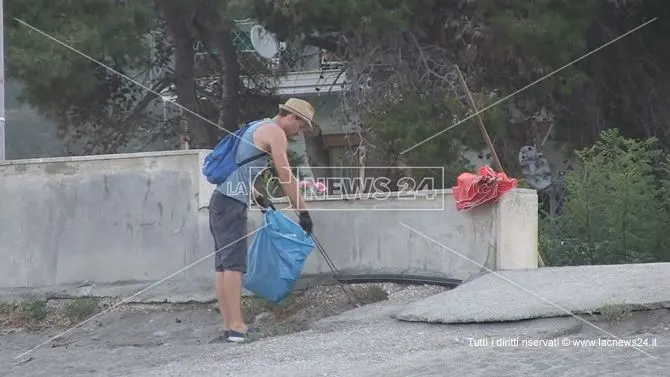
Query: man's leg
220, 216
221, 297
228, 219
235, 265
233, 292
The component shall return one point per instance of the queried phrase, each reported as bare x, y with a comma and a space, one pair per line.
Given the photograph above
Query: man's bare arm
276, 140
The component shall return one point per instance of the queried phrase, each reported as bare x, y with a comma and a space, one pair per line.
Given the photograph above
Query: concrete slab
545, 292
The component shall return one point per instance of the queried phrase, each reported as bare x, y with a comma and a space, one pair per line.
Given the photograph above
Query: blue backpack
220, 162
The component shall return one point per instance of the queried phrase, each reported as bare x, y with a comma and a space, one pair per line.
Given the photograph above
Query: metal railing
291, 58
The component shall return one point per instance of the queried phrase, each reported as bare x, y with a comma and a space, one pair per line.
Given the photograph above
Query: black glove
263, 202
306, 221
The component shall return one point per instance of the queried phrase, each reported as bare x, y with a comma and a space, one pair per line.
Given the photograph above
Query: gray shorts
228, 224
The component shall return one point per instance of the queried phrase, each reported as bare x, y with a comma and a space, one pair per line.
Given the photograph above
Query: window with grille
242, 41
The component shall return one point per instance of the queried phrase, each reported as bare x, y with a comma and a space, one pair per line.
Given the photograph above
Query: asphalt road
364, 342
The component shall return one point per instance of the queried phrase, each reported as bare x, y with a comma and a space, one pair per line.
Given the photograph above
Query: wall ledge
118, 156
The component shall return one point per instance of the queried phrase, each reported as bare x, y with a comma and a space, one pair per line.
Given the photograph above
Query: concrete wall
104, 218
142, 217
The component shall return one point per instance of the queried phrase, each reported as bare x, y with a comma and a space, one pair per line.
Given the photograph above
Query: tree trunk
216, 31
177, 15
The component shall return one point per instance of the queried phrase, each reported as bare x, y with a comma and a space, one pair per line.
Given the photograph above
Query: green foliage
615, 313
298, 18
98, 110
552, 30
57, 78
418, 116
95, 109
528, 40
82, 308
34, 310
522, 183
614, 212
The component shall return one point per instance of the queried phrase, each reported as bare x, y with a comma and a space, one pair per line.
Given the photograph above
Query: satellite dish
264, 42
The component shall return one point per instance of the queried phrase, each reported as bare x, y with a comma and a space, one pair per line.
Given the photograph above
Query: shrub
615, 209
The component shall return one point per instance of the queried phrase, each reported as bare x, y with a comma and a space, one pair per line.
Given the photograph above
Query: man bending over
229, 204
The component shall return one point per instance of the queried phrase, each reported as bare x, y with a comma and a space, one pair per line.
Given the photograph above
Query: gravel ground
140, 330
365, 341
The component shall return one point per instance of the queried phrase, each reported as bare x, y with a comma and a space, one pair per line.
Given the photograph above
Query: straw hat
300, 108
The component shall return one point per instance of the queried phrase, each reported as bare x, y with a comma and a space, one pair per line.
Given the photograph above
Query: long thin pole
487, 138
479, 119
2, 83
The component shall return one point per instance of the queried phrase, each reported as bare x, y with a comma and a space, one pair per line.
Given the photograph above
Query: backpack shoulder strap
262, 153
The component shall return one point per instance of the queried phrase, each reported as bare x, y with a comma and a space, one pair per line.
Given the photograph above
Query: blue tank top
238, 184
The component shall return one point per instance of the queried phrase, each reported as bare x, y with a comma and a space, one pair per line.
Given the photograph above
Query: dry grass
298, 311
614, 313
38, 314
295, 313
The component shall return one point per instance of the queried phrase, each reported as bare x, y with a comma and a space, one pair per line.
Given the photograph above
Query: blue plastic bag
276, 257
